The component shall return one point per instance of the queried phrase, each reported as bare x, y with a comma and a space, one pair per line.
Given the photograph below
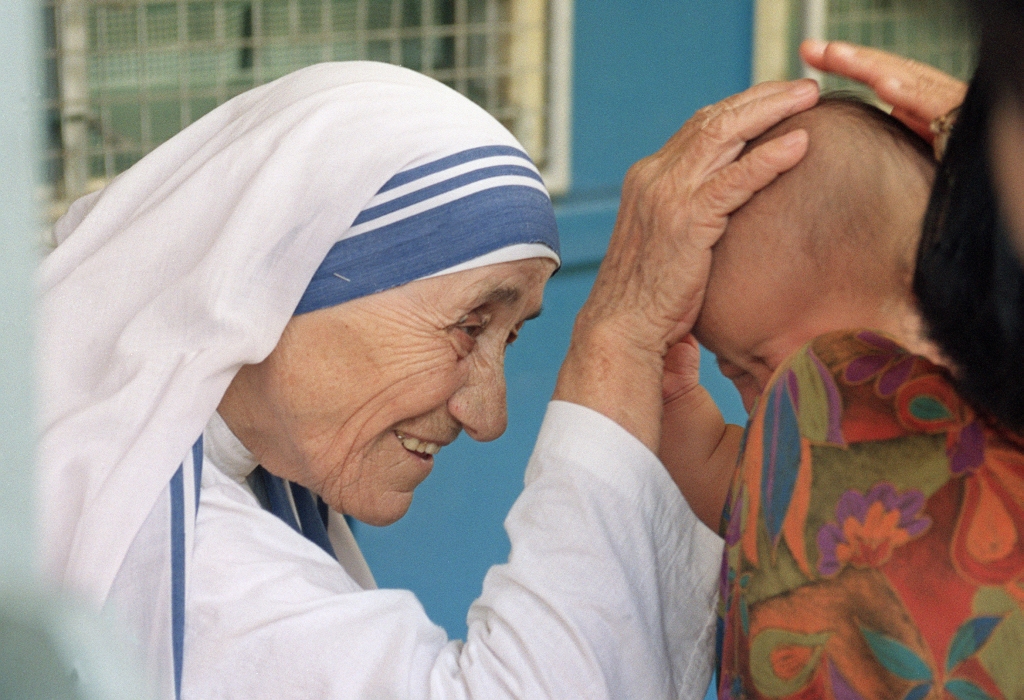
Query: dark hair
1002, 44
968, 281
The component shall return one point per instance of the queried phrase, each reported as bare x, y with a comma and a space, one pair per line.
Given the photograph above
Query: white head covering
189, 265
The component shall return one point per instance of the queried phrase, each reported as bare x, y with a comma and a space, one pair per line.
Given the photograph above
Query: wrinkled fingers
733, 186
713, 138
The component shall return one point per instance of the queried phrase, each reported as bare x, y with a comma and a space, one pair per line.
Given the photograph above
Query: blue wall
640, 70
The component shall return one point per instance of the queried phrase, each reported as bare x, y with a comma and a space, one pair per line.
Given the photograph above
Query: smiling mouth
421, 448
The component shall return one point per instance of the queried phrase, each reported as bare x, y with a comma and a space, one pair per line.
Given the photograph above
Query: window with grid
937, 32
122, 76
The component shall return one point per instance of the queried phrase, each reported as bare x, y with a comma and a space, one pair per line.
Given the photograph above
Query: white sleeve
609, 592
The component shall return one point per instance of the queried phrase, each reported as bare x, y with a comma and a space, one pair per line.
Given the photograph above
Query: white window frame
557, 172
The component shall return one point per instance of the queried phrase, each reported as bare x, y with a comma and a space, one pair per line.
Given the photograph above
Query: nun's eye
466, 330
473, 324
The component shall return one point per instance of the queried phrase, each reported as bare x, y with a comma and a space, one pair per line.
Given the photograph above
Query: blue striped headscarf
437, 216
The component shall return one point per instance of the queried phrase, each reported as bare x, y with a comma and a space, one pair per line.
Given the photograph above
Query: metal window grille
937, 32
122, 76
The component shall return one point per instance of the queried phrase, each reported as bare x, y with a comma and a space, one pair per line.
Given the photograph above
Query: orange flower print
869, 527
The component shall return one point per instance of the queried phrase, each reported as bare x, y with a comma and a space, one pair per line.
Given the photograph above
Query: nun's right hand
674, 207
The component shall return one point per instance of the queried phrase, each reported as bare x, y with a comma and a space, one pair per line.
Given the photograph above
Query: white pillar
815, 26
559, 143
73, 44
771, 40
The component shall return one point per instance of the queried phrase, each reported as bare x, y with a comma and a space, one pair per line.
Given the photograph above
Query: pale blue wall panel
642, 68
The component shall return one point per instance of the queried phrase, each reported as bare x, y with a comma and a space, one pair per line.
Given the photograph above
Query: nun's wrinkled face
355, 400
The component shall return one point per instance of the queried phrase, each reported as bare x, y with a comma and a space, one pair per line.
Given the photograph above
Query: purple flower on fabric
880, 341
723, 580
733, 530
841, 688
892, 364
968, 452
868, 528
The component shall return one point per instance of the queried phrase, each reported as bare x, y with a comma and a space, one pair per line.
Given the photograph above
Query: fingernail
816, 45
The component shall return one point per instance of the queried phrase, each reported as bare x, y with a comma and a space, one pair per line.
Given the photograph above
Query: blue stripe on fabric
177, 489
197, 468
277, 497
323, 510
413, 174
442, 187
429, 242
314, 528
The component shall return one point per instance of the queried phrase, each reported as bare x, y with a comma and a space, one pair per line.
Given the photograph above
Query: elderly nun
280, 316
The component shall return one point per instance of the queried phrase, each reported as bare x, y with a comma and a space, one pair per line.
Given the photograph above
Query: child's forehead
756, 288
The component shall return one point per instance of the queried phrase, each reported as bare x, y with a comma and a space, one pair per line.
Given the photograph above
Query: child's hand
697, 448
682, 370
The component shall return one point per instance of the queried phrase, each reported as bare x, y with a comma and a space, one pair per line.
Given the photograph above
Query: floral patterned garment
874, 536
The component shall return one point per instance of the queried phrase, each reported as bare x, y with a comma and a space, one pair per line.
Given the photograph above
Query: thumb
682, 368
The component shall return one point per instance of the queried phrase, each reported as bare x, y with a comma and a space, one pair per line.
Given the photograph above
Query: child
874, 530
829, 245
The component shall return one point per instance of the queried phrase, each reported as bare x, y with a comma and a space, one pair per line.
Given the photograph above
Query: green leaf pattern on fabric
897, 657
1002, 655
818, 409
929, 408
965, 690
858, 435
918, 692
969, 638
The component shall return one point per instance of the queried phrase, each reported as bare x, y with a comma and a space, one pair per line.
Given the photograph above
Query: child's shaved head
858, 188
829, 245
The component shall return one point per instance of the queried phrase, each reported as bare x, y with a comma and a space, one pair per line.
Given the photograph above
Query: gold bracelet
942, 127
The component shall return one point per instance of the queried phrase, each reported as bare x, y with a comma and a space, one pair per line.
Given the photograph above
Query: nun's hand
917, 92
674, 207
